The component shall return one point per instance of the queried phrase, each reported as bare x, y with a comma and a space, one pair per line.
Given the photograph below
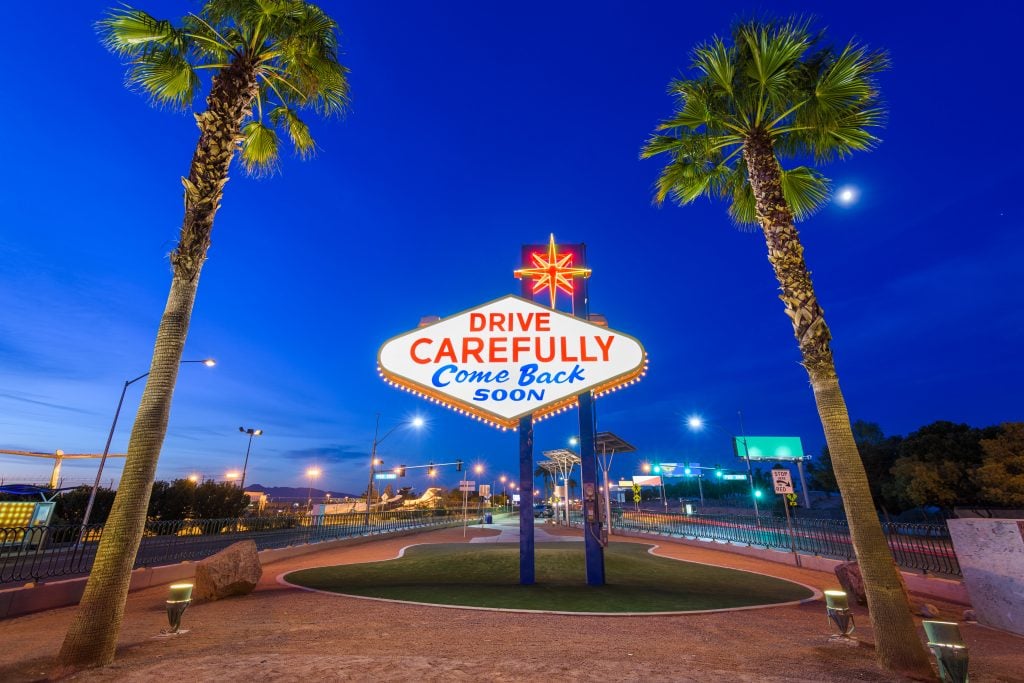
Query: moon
847, 195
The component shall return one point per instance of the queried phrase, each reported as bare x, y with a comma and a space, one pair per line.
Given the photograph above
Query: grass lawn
487, 575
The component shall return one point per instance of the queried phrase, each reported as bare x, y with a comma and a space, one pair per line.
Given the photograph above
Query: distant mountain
298, 493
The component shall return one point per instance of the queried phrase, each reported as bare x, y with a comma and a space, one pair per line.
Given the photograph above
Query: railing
43, 552
922, 547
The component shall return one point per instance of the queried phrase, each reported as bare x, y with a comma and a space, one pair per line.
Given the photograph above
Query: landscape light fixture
837, 607
949, 648
177, 602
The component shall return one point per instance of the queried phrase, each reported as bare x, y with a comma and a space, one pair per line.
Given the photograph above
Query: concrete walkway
543, 532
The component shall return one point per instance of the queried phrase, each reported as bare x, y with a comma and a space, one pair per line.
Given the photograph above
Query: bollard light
837, 607
949, 648
177, 602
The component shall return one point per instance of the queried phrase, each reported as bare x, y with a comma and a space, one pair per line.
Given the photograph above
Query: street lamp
416, 422
504, 489
231, 476
251, 432
312, 473
208, 362
696, 424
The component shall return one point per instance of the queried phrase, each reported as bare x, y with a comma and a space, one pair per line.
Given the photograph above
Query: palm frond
805, 189
774, 79
259, 151
129, 32
298, 131
166, 76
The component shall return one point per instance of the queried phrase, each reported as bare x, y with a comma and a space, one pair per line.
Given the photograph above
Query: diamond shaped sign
510, 358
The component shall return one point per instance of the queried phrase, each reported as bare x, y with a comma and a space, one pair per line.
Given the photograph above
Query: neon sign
510, 358
552, 271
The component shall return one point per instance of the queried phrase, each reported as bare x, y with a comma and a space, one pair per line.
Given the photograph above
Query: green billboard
769, 447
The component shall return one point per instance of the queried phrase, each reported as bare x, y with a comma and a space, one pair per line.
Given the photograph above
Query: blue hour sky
474, 128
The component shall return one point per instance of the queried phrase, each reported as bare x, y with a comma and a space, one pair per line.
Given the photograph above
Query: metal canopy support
607, 445
58, 458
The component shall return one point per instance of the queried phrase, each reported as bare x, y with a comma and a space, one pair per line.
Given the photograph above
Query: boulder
928, 610
233, 571
852, 582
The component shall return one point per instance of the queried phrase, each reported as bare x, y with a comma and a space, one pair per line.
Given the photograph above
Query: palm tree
774, 91
268, 60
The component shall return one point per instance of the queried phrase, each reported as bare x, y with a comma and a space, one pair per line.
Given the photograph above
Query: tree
172, 501
936, 465
775, 92
1001, 475
269, 59
219, 500
71, 505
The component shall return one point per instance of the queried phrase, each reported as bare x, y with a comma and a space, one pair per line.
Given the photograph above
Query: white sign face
485, 490
510, 358
515, 497
467, 486
783, 481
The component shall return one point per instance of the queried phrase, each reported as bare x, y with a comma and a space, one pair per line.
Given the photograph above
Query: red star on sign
553, 271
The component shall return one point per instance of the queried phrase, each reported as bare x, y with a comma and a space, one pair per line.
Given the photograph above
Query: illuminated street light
194, 478
697, 424
573, 440
312, 473
231, 476
416, 422
251, 432
208, 362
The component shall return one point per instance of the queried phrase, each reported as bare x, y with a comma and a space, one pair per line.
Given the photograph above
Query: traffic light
400, 470
657, 469
458, 465
757, 493
718, 472
687, 471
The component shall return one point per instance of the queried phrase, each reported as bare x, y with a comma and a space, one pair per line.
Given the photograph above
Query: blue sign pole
526, 565
593, 545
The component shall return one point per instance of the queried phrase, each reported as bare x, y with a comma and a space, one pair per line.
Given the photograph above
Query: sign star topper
553, 271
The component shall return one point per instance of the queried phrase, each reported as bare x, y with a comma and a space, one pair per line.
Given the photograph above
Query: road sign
509, 358
769, 447
385, 475
734, 477
485, 490
783, 481
469, 486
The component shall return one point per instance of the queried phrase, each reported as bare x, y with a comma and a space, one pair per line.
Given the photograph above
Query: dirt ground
284, 633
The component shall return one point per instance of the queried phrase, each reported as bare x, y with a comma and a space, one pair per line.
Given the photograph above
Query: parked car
543, 510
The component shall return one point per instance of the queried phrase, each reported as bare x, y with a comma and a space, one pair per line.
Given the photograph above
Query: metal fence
922, 547
44, 552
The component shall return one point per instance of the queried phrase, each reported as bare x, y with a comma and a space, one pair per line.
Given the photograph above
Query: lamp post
504, 489
696, 424
251, 432
416, 422
312, 473
208, 362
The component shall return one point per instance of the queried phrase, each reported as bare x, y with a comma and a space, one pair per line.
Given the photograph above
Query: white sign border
628, 377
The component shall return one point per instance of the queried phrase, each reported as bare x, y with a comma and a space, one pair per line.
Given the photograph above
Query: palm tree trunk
898, 646
91, 639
